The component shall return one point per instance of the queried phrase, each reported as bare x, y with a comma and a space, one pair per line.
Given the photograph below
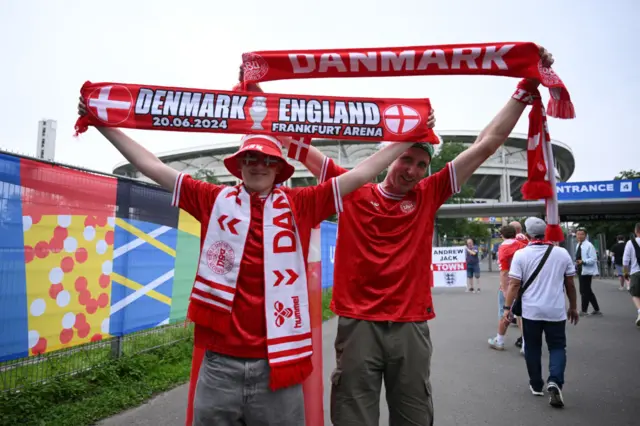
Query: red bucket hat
266, 145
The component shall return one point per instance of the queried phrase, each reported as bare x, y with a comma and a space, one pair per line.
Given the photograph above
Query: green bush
85, 398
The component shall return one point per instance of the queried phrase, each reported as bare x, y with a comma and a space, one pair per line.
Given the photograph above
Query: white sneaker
493, 344
535, 392
638, 320
555, 395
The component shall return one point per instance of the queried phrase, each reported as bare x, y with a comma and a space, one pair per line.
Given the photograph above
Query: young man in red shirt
382, 277
520, 236
253, 324
506, 251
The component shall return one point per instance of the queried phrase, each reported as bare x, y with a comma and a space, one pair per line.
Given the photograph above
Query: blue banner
569, 191
14, 333
328, 235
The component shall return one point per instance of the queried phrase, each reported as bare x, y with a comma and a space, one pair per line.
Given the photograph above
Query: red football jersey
247, 333
506, 251
382, 269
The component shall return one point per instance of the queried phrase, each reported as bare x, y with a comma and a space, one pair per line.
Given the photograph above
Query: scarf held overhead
512, 59
135, 106
541, 178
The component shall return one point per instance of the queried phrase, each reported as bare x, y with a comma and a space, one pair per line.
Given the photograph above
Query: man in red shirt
519, 235
506, 251
252, 323
382, 277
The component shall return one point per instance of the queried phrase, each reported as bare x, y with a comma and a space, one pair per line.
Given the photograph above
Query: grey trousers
235, 392
368, 352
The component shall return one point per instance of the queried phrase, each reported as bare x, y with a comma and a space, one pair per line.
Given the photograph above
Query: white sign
46, 145
449, 266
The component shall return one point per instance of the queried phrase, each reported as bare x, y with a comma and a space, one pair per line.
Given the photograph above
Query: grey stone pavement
474, 385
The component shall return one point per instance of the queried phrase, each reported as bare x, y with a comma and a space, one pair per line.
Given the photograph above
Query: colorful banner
85, 257
449, 266
193, 110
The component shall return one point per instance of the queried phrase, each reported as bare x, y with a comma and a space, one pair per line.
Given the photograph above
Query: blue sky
51, 48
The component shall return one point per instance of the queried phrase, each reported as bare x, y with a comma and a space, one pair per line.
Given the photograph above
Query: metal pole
504, 196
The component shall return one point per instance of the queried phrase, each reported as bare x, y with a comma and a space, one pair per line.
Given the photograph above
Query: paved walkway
475, 386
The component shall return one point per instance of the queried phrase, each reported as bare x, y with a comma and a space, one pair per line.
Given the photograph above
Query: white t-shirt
629, 257
544, 299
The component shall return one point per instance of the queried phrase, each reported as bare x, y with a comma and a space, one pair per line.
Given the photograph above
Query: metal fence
19, 373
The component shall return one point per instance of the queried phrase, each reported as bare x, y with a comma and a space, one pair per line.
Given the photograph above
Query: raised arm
313, 161
315, 158
495, 134
371, 167
145, 161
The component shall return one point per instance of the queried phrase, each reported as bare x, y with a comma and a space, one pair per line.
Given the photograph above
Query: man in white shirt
543, 307
586, 268
631, 266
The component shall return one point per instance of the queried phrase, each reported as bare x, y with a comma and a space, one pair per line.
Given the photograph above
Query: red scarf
147, 107
541, 181
520, 60
501, 59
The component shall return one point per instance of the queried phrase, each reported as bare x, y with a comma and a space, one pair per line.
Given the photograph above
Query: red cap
266, 145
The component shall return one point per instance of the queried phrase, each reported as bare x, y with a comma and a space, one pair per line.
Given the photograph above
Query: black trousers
586, 293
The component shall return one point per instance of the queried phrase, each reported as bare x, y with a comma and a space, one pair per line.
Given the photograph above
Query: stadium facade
499, 178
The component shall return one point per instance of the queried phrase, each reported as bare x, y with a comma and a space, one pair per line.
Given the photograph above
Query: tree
206, 175
611, 229
627, 174
457, 228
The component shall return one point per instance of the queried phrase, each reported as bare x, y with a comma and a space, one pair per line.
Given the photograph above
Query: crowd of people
256, 357
535, 277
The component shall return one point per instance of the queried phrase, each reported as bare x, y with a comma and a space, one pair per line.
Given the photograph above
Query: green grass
17, 373
86, 398
110, 388
326, 301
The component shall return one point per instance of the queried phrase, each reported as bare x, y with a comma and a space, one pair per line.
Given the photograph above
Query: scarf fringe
532, 190
291, 374
554, 233
561, 108
82, 125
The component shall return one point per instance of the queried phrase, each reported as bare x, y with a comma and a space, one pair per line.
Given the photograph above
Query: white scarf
286, 297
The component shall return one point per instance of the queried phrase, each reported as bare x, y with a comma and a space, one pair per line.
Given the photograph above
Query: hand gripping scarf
511, 59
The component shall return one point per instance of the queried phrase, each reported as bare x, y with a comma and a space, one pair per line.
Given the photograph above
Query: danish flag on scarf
299, 148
